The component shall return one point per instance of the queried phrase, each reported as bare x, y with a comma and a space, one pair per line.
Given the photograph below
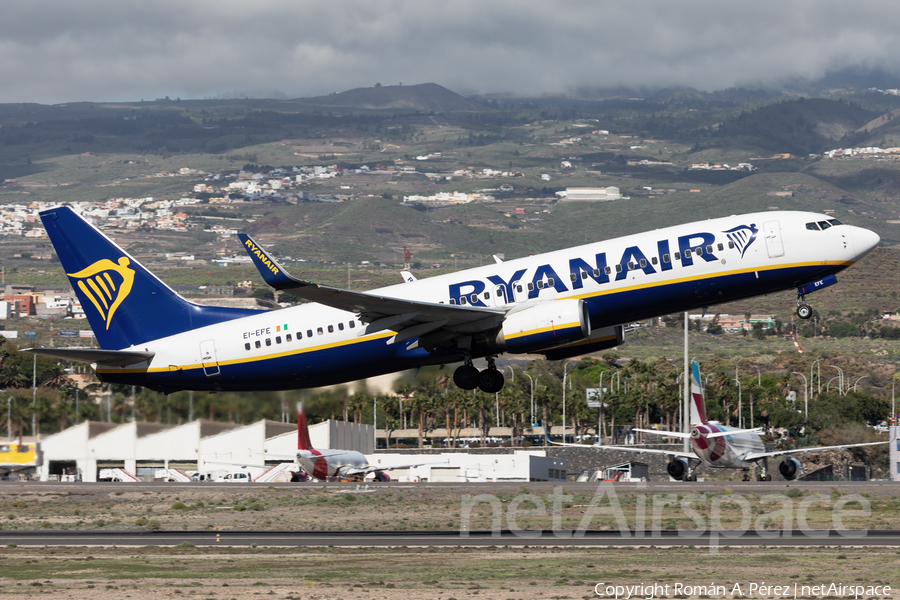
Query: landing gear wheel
490, 381
466, 377
746, 475
804, 311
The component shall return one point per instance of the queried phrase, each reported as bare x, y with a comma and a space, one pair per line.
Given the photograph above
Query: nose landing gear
804, 311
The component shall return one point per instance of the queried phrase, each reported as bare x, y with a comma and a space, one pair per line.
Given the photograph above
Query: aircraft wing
410, 318
372, 469
110, 358
760, 455
673, 453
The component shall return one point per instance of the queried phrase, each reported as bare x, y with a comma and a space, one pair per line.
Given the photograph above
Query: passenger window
352, 324
320, 331
247, 346
709, 249
654, 260
277, 339
268, 341
530, 287
721, 247
331, 329
462, 299
618, 268
452, 300
540, 285
551, 282
309, 333
608, 270
341, 326
643, 262
678, 256
631, 266
687, 254
812, 226
666, 258
487, 295
288, 338
730, 245
573, 276
474, 298
518, 288
584, 275
699, 251
824, 224
596, 272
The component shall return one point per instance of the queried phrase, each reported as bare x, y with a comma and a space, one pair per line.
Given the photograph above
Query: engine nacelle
678, 468
600, 339
789, 468
382, 477
545, 325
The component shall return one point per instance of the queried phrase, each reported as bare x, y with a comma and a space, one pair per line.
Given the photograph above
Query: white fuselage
621, 280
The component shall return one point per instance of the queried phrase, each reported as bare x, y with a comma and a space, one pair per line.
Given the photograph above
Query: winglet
271, 271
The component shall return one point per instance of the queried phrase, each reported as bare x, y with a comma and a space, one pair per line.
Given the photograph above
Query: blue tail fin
125, 304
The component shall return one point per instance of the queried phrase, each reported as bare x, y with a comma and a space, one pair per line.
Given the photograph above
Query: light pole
814, 364
857, 382
841, 380
9, 419
759, 376
565, 368
740, 408
828, 385
805, 396
532, 394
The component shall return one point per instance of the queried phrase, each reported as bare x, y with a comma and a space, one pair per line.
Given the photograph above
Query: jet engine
382, 476
545, 325
789, 468
678, 468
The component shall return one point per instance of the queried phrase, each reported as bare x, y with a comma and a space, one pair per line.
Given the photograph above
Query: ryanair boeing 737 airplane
560, 304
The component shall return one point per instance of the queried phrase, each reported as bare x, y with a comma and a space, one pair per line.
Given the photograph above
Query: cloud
99, 50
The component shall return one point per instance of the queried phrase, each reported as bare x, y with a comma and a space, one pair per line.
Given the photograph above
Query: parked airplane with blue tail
560, 304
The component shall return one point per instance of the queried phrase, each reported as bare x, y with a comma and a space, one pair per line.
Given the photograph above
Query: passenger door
774, 245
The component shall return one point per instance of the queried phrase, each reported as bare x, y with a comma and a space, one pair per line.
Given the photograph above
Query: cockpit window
824, 224
834, 222
812, 226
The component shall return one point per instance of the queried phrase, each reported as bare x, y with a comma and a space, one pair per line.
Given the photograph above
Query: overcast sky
54, 52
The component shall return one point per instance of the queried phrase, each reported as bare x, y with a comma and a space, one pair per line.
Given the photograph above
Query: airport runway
874, 488
374, 539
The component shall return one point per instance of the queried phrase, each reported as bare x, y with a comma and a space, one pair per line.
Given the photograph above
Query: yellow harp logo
106, 284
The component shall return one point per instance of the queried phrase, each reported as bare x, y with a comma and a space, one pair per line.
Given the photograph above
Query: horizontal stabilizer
675, 434
109, 358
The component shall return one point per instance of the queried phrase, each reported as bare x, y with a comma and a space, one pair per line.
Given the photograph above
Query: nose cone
864, 241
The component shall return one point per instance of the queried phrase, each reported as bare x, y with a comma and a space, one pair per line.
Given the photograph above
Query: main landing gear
764, 474
489, 381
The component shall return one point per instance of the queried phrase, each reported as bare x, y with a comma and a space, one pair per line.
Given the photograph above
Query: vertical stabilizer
303, 442
125, 304
698, 398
